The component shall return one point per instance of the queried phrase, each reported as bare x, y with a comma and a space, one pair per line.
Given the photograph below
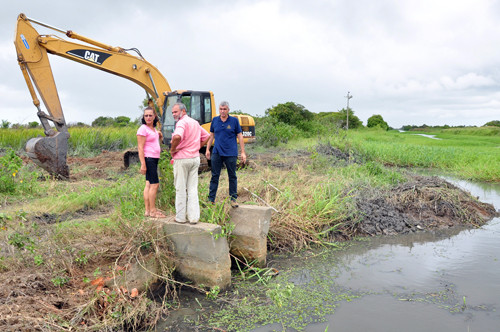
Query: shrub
166, 192
103, 121
290, 113
272, 132
495, 123
10, 164
121, 121
33, 124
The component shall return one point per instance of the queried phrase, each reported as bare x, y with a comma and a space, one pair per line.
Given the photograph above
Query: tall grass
83, 141
472, 154
90, 141
16, 138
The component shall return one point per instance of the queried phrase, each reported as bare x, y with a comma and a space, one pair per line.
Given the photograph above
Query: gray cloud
413, 62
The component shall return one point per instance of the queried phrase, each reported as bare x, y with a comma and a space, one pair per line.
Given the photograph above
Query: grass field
468, 153
73, 232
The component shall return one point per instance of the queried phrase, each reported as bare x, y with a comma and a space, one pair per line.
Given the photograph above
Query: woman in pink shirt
148, 143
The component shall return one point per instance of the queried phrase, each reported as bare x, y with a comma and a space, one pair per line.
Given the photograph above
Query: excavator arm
32, 54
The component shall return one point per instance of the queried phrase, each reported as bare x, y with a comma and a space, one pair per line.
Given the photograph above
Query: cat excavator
32, 49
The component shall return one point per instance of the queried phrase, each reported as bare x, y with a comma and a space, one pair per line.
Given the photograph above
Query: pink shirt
191, 134
152, 146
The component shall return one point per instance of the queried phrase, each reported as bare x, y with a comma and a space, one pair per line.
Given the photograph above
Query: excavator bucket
50, 153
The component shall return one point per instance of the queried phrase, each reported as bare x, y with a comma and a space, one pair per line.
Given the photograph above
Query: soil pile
423, 203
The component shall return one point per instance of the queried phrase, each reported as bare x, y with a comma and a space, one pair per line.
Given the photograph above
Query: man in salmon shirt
187, 139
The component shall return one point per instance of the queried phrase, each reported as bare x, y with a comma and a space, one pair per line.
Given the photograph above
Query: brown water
441, 281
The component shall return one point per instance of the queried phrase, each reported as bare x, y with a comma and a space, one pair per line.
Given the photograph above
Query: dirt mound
423, 203
103, 166
336, 154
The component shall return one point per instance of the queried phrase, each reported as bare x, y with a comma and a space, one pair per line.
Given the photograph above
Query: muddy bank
33, 300
423, 203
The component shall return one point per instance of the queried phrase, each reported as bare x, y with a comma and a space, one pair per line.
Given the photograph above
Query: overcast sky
415, 62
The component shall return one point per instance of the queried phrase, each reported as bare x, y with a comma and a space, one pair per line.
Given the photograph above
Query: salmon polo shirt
191, 134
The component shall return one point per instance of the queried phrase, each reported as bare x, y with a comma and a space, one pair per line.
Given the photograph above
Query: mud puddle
446, 280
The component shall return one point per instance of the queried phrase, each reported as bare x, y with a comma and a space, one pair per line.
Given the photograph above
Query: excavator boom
32, 54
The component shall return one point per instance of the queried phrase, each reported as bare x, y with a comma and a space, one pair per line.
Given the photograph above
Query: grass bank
472, 154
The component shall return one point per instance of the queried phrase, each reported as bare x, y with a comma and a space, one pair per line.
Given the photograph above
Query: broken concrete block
248, 240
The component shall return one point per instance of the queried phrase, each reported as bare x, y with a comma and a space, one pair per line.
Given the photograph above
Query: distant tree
5, 124
33, 124
376, 120
290, 113
495, 123
354, 121
103, 121
121, 121
78, 124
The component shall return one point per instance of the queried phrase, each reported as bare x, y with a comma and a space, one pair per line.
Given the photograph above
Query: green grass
16, 138
470, 154
315, 199
83, 141
86, 141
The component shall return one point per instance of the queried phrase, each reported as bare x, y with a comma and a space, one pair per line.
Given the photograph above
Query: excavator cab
199, 105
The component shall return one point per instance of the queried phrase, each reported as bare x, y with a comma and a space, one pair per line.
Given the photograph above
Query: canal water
439, 281
446, 280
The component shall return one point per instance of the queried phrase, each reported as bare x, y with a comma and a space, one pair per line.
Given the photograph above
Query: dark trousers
230, 163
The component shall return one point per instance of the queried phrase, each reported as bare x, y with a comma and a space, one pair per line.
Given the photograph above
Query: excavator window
208, 108
168, 123
196, 108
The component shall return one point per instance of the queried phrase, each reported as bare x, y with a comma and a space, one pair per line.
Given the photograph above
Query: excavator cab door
199, 106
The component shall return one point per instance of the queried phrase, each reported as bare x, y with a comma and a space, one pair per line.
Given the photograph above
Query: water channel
431, 281
440, 281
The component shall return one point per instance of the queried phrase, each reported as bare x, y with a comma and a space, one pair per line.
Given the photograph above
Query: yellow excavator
32, 49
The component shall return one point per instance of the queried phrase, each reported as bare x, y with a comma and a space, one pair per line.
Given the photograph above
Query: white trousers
187, 207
